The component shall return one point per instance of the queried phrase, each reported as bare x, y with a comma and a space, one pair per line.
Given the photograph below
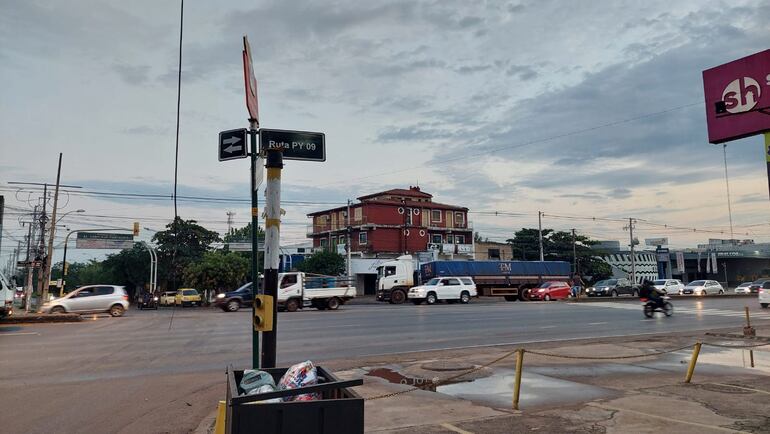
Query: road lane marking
596, 323
451, 427
19, 334
548, 327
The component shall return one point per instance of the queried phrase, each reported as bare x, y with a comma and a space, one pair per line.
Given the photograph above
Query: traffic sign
296, 145
232, 144
250, 82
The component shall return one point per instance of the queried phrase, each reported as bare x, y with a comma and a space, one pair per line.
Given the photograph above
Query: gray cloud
132, 74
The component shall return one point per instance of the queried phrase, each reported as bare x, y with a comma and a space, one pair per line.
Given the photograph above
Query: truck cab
6, 297
394, 278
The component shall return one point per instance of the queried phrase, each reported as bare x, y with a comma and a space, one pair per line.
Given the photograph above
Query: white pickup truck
297, 290
6, 297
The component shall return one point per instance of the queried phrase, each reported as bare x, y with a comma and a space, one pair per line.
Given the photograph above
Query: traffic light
136, 229
263, 313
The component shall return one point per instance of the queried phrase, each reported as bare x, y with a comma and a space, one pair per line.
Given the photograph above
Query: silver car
91, 299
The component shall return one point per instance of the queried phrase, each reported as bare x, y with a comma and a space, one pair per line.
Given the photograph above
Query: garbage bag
265, 388
300, 375
254, 379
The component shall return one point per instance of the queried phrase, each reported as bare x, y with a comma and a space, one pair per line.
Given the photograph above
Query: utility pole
633, 256
574, 254
272, 247
30, 258
540, 233
349, 246
49, 256
230, 215
41, 244
255, 287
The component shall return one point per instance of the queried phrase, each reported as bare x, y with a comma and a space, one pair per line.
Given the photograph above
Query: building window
408, 214
459, 239
436, 239
435, 215
358, 214
362, 237
334, 241
324, 243
493, 253
459, 219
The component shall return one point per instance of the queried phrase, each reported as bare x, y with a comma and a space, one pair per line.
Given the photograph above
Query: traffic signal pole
274, 165
255, 352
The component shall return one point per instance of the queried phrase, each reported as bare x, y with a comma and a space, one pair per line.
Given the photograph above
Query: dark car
612, 288
759, 283
234, 300
147, 301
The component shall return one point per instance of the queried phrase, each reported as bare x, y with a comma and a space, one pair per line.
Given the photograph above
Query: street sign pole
255, 353
272, 249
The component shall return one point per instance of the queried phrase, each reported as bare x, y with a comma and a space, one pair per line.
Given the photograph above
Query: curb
42, 318
628, 298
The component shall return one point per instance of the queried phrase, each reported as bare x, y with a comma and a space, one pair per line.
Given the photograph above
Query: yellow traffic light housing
263, 313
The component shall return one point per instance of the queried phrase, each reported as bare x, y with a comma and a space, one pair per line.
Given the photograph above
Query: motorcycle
650, 307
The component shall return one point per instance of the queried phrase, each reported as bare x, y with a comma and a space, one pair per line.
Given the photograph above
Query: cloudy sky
594, 109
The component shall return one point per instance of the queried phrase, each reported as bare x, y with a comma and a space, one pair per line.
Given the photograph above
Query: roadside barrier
520, 362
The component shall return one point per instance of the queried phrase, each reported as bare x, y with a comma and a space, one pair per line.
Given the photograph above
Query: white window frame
433, 240
440, 214
365, 236
458, 238
461, 220
324, 244
408, 214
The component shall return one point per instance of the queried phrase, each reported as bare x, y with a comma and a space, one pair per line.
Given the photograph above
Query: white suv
764, 294
451, 289
91, 299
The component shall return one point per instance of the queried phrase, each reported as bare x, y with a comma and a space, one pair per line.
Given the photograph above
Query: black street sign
296, 145
232, 144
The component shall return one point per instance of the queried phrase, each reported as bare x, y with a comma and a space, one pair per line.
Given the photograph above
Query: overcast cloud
590, 109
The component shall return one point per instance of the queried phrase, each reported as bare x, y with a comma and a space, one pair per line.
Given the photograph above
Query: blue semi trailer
509, 279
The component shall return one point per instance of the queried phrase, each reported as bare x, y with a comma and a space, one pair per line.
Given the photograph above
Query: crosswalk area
679, 310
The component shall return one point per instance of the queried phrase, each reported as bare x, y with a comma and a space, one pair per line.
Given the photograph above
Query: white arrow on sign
231, 140
230, 149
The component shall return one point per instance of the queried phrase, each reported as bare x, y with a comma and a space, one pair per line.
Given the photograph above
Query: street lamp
68, 213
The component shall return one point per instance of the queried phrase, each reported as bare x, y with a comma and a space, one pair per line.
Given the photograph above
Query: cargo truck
509, 279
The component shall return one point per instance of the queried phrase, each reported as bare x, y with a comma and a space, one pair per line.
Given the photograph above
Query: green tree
130, 267
182, 243
557, 246
243, 235
323, 262
83, 273
218, 271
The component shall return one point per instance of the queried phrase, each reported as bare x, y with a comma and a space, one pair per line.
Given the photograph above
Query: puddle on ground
396, 377
536, 390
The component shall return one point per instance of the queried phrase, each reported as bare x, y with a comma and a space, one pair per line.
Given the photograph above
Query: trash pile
255, 382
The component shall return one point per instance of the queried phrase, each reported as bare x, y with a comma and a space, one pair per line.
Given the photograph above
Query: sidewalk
574, 394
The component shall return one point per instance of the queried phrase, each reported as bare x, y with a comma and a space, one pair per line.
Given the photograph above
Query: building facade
392, 223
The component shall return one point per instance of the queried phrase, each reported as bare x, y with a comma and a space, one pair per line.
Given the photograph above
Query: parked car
234, 300
759, 283
91, 299
670, 286
744, 288
551, 291
188, 297
147, 301
451, 289
612, 288
703, 287
168, 298
763, 294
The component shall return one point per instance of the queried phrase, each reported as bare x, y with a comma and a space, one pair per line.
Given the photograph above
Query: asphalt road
161, 371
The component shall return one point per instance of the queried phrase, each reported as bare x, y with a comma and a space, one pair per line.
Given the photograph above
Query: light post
64, 259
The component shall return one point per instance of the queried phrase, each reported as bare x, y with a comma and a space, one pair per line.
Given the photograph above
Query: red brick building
395, 222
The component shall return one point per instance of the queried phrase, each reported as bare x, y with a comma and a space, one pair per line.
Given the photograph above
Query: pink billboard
738, 98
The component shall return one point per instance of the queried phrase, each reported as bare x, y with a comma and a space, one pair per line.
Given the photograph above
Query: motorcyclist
652, 293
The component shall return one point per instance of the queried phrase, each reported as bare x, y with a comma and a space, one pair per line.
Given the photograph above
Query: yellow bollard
517, 383
693, 361
219, 426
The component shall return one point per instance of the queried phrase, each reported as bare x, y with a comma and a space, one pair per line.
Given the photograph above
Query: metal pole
540, 233
49, 256
272, 253
255, 344
64, 265
574, 254
693, 361
727, 184
633, 256
30, 269
517, 381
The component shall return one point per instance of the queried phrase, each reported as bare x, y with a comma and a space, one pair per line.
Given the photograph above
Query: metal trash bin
339, 411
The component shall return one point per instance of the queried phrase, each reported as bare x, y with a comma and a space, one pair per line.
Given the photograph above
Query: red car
550, 291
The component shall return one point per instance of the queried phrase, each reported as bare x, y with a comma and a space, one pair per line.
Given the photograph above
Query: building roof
412, 192
426, 205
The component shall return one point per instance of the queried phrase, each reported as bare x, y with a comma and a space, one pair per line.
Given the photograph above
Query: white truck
6, 297
297, 290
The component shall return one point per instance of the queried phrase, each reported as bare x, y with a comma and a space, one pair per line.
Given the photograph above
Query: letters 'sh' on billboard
738, 98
